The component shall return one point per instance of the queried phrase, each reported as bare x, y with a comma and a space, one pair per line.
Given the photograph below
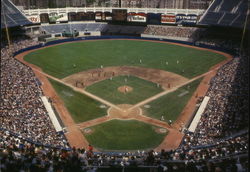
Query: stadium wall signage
168, 18
119, 15
34, 18
137, 17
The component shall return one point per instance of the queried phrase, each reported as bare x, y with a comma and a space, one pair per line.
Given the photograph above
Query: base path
83, 79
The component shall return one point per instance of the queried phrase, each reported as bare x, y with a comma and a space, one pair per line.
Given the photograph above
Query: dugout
70, 34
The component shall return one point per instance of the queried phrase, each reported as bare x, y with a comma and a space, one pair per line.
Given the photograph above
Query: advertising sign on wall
108, 16
191, 19
98, 16
137, 17
180, 18
34, 18
168, 18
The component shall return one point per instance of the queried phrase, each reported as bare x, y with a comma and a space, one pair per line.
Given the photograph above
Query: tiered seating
120, 29
173, 31
228, 5
226, 13
59, 28
227, 19
239, 21
212, 18
11, 15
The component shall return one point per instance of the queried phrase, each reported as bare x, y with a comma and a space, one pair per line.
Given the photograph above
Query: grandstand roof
12, 14
226, 13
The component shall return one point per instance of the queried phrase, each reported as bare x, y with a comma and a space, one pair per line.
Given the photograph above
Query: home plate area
125, 113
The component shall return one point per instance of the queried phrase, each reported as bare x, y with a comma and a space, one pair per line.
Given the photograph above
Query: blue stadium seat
11, 15
226, 13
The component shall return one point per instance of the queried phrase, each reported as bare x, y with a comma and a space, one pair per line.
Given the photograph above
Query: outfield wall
167, 37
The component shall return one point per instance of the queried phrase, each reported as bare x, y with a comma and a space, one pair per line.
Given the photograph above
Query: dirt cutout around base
125, 89
161, 130
125, 113
88, 131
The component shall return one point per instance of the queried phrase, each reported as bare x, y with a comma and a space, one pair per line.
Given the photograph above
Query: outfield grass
107, 90
171, 105
58, 60
124, 135
81, 107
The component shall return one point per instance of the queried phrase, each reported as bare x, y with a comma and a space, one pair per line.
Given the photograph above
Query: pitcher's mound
125, 89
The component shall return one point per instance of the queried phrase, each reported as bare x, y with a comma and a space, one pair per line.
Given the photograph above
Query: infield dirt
162, 78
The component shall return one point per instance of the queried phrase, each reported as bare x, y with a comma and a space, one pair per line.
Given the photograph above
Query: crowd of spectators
225, 44
21, 108
227, 109
173, 31
219, 37
25, 128
19, 155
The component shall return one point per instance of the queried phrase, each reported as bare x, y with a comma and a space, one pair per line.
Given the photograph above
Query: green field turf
107, 90
59, 60
171, 105
81, 107
124, 135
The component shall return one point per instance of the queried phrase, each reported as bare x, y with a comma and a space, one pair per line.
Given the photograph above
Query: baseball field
122, 94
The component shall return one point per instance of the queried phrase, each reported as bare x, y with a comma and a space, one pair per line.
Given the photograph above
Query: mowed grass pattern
124, 135
107, 89
171, 105
81, 107
58, 60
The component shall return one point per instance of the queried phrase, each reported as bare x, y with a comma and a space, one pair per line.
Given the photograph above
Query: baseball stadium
124, 85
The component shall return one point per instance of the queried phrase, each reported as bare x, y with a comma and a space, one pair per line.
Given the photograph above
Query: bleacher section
189, 34
59, 28
11, 15
226, 13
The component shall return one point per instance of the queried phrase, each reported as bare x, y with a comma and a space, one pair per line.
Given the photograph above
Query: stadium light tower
5, 24
244, 31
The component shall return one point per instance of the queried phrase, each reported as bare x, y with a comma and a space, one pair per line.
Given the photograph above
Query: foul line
79, 90
150, 99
